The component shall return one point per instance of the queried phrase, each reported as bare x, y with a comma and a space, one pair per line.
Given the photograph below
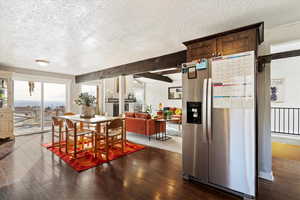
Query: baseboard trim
266, 175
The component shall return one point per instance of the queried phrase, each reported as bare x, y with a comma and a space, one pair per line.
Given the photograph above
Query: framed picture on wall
192, 72
277, 90
175, 92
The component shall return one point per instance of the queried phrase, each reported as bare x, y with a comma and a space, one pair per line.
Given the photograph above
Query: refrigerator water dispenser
194, 112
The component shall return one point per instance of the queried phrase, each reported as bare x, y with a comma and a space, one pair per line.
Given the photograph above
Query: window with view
35, 107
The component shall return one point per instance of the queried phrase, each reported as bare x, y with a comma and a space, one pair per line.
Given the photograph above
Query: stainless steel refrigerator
219, 140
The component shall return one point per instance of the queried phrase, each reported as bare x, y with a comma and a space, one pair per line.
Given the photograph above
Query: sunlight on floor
174, 144
286, 151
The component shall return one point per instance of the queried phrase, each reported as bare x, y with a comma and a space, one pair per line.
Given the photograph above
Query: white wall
289, 70
157, 92
279, 34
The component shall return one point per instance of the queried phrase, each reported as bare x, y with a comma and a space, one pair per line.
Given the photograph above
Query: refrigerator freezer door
194, 141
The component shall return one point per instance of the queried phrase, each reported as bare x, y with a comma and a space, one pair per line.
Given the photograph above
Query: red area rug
86, 160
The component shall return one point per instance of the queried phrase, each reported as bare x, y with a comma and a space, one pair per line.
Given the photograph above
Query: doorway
35, 103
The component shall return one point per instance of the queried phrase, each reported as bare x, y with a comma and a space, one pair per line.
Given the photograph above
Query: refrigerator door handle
204, 111
209, 110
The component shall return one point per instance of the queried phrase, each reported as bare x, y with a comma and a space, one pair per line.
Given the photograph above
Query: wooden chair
78, 137
57, 132
115, 132
70, 114
112, 135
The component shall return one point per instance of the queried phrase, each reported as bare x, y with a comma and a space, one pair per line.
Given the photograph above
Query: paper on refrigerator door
233, 81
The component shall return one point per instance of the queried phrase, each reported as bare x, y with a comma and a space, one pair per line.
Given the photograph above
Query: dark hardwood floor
32, 172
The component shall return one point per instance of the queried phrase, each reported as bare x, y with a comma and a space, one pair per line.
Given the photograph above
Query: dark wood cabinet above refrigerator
230, 42
204, 49
237, 43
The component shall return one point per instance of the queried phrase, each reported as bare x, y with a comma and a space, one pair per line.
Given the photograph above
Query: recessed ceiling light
42, 62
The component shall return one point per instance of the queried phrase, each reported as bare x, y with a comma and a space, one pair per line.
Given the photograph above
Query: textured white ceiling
80, 36
285, 46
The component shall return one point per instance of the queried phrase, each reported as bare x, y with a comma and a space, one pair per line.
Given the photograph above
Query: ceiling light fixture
42, 62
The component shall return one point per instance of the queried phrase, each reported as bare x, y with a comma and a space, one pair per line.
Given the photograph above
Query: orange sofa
140, 123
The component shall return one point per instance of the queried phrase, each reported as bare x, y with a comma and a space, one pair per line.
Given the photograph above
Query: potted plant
87, 103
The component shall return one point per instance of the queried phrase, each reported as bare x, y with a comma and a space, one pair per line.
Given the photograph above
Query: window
91, 89
54, 102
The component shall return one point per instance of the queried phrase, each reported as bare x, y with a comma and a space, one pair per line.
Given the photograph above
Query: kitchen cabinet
236, 43
205, 49
226, 43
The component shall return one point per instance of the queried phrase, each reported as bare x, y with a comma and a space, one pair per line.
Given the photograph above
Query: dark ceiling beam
262, 60
154, 76
158, 63
171, 71
276, 56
